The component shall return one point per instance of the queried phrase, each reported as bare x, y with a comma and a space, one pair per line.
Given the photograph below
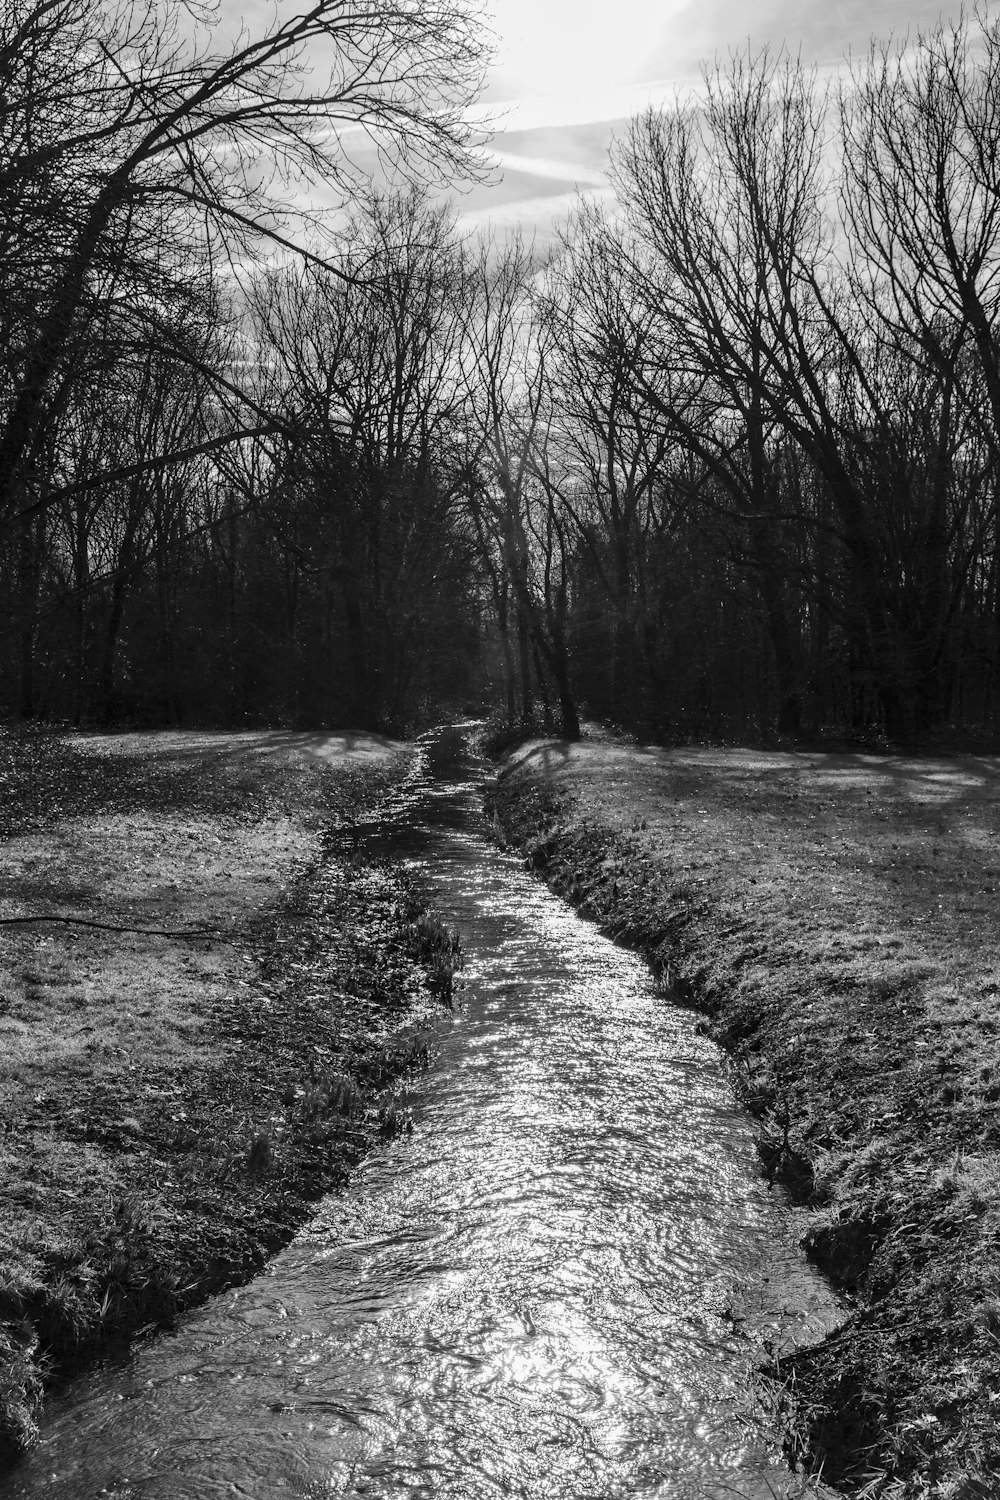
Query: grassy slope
836, 917
170, 1106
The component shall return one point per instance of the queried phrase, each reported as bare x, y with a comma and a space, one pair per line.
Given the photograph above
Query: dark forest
722, 460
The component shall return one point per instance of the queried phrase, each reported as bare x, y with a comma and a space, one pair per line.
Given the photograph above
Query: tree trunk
30, 572
785, 646
524, 661
624, 656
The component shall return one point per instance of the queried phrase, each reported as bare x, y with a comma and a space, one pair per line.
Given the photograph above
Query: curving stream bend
531, 1296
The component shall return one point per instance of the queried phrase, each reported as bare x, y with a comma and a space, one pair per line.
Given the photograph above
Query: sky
568, 74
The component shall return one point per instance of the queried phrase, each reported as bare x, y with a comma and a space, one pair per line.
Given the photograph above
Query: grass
170, 1107
834, 916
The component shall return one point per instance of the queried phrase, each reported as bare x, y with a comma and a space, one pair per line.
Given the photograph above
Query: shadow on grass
198, 745
47, 775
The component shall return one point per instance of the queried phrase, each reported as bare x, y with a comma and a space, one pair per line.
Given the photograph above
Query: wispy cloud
563, 83
550, 168
604, 77
568, 76
535, 217
542, 111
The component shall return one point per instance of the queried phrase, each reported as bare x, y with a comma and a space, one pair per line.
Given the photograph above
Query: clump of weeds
439, 952
20, 1387
394, 1120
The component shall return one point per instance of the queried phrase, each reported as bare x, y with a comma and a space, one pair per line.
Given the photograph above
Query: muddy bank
201, 1022
834, 919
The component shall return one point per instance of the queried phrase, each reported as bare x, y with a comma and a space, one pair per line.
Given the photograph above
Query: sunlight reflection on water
525, 1298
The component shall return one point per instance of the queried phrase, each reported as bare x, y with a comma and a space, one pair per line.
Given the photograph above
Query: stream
543, 1292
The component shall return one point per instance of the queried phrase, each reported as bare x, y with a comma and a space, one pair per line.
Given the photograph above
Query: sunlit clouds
559, 46
566, 76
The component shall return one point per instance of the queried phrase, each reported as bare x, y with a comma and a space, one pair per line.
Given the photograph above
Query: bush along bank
870, 1065
129, 1197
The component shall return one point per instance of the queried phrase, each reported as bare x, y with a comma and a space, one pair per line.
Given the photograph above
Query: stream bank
555, 1284
834, 919
207, 995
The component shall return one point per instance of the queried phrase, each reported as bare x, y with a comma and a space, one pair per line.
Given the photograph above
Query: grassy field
835, 917
204, 1000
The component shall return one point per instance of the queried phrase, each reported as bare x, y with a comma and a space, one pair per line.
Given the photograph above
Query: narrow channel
536, 1294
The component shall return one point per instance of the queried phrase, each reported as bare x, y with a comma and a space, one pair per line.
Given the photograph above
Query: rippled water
531, 1296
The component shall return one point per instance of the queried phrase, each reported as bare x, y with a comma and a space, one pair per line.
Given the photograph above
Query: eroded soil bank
834, 916
199, 1036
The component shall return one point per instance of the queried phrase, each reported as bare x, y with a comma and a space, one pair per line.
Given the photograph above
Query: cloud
580, 107
543, 170
563, 85
568, 70
568, 76
580, 48
825, 32
535, 217
549, 168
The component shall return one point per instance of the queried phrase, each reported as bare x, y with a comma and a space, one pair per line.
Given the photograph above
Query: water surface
536, 1294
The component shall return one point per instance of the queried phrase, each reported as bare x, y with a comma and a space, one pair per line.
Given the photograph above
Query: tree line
722, 460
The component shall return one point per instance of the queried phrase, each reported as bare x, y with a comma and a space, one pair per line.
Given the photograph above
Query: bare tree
921, 195
733, 200
610, 394
523, 529
367, 488
199, 143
